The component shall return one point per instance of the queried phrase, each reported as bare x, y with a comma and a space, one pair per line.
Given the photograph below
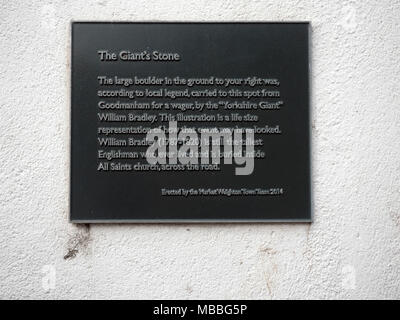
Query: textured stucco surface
351, 250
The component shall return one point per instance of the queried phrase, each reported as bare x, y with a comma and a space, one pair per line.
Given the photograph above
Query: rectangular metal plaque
190, 122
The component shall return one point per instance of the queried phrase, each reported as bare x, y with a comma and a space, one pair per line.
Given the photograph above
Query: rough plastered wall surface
351, 250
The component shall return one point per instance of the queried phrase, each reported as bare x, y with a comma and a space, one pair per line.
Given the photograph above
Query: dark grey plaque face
130, 78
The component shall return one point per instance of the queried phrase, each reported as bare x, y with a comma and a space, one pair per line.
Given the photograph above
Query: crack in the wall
78, 242
271, 269
395, 216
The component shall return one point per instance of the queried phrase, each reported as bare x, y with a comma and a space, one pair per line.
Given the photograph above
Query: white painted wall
351, 250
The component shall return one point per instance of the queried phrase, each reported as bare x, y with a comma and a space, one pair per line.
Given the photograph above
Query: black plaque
129, 78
